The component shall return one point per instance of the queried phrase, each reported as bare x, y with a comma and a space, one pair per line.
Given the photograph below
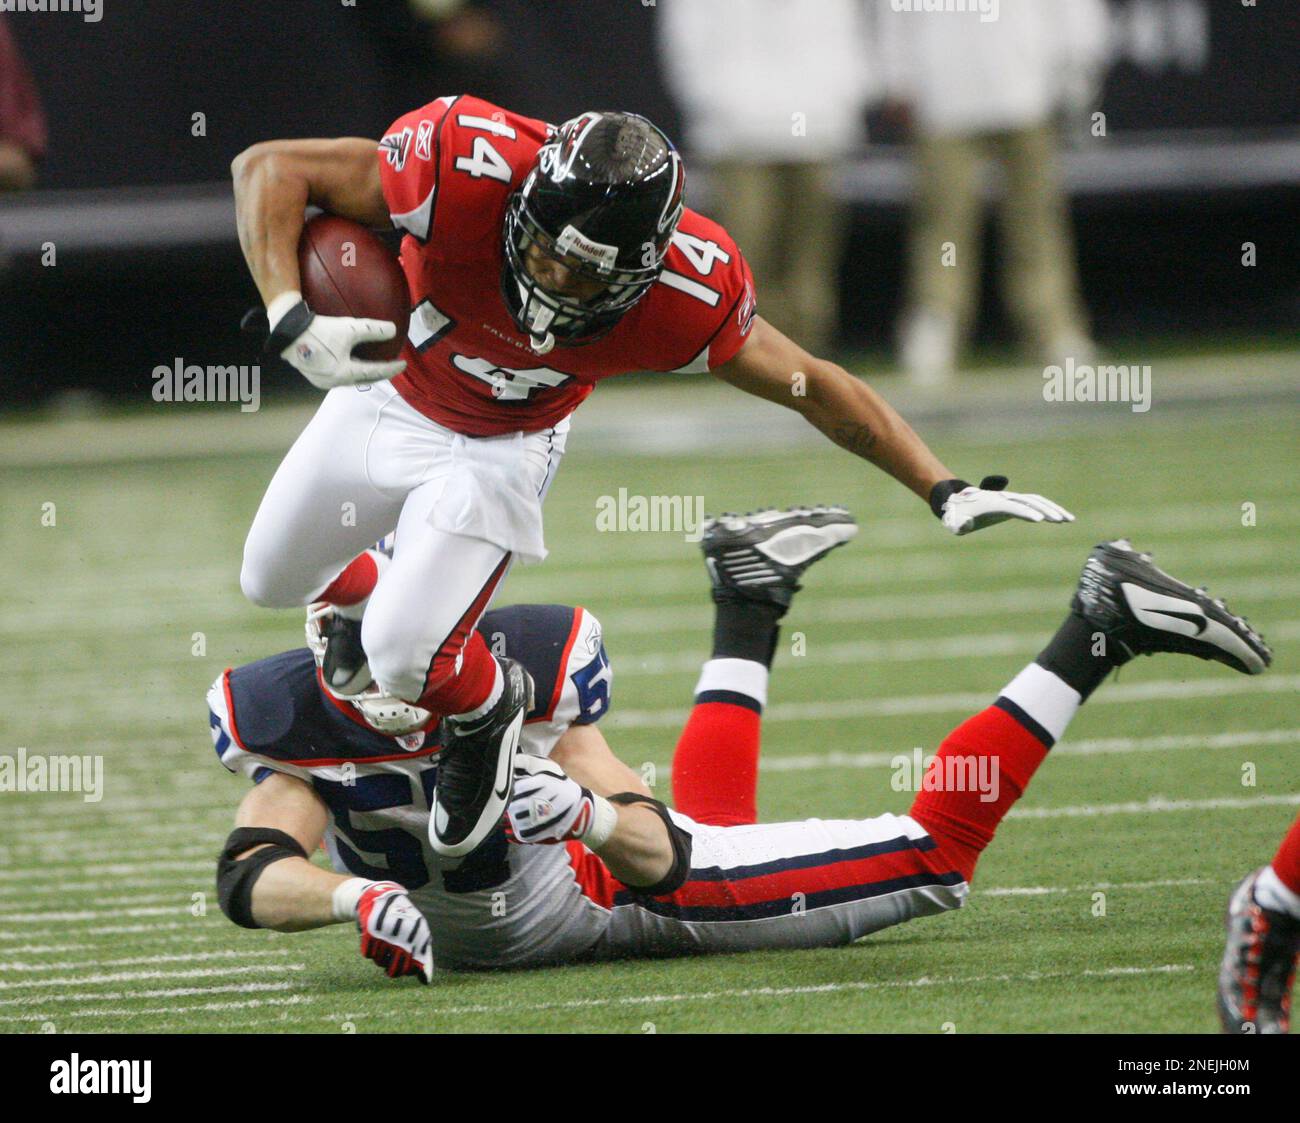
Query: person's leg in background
813, 236
748, 200
1038, 266
943, 255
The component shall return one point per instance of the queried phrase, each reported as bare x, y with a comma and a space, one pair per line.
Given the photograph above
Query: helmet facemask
384, 713
609, 223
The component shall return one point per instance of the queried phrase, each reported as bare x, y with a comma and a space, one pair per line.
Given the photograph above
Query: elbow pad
236, 878
675, 878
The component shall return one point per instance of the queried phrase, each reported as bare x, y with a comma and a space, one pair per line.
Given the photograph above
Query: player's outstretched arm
770, 365
290, 894
630, 831
264, 880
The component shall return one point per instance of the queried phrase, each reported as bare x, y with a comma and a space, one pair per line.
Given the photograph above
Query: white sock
1045, 697
734, 676
358, 610
1272, 894
494, 696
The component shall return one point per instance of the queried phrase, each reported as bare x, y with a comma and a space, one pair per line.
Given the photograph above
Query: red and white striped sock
1007, 741
1278, 887
715, 764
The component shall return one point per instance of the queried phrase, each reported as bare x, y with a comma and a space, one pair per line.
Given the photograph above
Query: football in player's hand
347, 271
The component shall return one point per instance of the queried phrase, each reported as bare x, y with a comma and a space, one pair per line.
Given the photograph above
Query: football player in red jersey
539, 260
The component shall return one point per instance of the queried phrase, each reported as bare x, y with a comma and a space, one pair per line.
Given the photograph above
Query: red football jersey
448, 171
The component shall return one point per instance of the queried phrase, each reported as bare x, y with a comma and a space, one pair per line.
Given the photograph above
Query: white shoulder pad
225, 739
585, 688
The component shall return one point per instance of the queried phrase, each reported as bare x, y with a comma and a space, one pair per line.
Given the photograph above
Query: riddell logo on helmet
571, 241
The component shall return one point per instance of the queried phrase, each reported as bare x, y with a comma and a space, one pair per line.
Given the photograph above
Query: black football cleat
344, 667
760, 556
1259, 964
1143, 610
476, 767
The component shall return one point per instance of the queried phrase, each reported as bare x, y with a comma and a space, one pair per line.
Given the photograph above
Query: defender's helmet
604, 197
384, 713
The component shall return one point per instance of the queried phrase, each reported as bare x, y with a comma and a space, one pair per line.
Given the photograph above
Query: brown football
347, 271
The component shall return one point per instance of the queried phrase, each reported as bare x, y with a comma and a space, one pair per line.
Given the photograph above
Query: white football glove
320, 347
548, 806
973, 508
394, 932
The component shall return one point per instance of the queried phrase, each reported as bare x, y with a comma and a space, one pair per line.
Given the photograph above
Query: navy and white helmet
604, 196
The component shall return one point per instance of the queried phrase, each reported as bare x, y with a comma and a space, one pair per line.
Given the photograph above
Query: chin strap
542, 344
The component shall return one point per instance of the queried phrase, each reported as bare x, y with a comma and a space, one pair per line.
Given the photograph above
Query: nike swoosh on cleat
1192, 618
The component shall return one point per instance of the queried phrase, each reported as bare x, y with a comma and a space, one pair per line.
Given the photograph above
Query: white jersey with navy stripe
505, 904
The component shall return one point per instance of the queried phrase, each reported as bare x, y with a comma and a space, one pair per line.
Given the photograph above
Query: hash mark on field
140, 976
88, 914
136, 960
156, 1011
129, 996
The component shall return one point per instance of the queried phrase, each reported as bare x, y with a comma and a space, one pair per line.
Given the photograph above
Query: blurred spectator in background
22, 123
974, 90
773, 93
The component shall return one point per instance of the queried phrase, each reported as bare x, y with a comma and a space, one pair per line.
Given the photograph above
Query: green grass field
1146, 803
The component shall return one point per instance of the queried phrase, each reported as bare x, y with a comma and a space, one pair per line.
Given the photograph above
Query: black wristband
292, 324
944, 488
681, 844
940, 492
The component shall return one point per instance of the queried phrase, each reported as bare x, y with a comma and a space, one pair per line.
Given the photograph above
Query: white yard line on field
778, 992
1050, 890
807, 762
924, 650
1156, 805
840, 709
910, 606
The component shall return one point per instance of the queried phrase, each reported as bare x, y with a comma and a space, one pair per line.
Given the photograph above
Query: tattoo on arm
858, 439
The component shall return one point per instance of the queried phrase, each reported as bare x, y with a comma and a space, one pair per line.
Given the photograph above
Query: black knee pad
681, 842
235, 878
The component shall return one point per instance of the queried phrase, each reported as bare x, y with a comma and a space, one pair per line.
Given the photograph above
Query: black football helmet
604, 197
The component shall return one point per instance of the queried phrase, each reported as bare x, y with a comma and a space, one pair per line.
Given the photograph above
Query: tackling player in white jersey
586, 864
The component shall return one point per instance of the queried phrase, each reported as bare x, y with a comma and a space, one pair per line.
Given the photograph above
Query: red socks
1287, 862
715, 765
963, 822
355, 583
